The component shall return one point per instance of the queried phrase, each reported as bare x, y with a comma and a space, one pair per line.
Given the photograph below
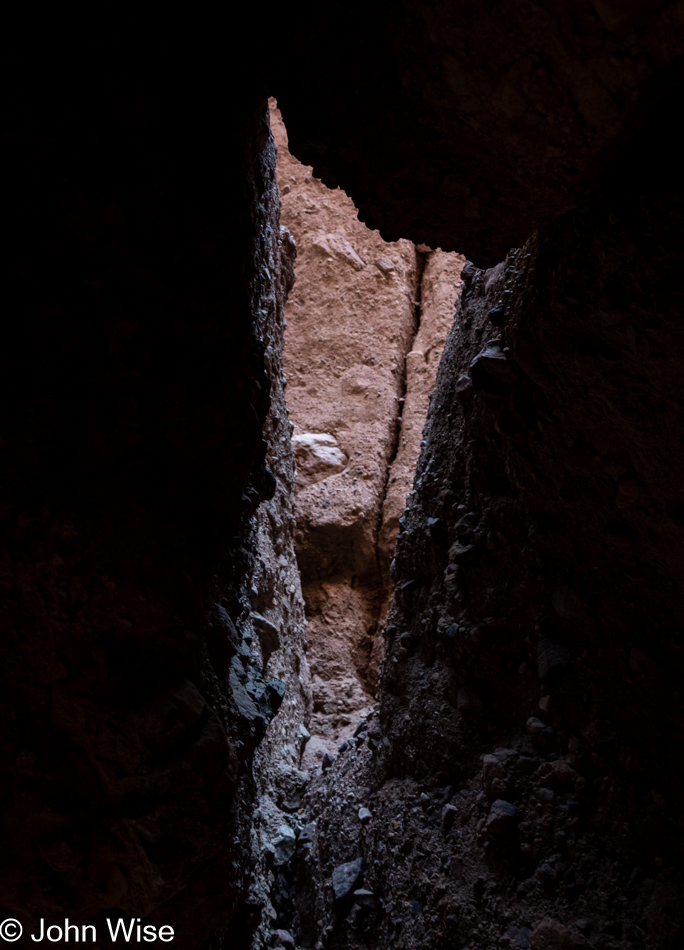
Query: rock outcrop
135, 390
366, 324
351, 319
522, 774
520, 783
504, 117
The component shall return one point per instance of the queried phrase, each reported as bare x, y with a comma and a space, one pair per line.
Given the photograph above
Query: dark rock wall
525, 766
536, 616
279, 624
140, 229
466, 126
552, 464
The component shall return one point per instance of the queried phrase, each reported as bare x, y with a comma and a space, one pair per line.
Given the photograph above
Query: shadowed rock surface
467, 126
143, 246
534, 661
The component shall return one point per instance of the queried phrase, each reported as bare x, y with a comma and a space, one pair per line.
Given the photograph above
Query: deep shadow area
523, 771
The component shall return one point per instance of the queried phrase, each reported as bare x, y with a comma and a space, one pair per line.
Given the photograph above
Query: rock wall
143, 251
277, 632
440, 286
350, 321
520, 786
522, 783
366, 324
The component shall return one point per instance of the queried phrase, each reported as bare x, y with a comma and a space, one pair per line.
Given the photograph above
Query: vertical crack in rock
359, 391
392, 475
359, 364
512, 791
438, 290
351, 323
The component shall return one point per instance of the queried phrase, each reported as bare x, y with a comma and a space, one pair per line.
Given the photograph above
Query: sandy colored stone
440, 287
350, 322
358, 384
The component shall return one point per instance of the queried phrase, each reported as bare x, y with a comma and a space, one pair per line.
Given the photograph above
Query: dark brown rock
134, 391
505, 119
552, 935
502, 818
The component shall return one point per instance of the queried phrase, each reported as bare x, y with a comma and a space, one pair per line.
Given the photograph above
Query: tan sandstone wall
352, 319
440, 286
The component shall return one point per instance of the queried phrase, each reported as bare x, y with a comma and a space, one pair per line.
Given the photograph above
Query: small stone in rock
520, 937
501, 819
366, 899
364, 815
449, 813
283, 938
534, 726
284, 845
345, 877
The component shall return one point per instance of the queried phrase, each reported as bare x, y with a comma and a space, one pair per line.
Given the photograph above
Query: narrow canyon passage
341, 508
366, 324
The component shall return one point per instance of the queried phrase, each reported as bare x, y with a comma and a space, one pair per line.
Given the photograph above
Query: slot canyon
342, 519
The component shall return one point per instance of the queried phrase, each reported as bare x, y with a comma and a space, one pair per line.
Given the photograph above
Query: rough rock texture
534, 650
440, 285
534, 657
278, 627
466, 126
134, 391
351, 320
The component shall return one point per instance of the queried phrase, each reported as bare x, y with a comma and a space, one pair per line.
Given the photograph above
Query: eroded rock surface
351, 319
505, 117
134, 394
440, 286
522, 784
521, 775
